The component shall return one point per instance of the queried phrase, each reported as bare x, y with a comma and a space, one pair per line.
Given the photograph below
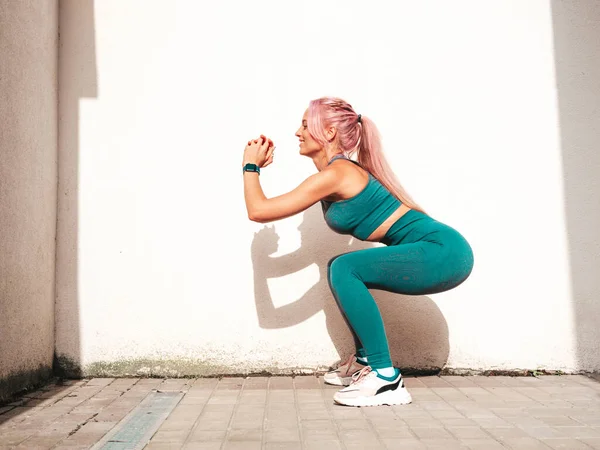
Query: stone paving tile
394, 432
435, 381
446, 414
502, 434
566, 444
483, 381
592, 442
282, 434
374, 445
525, 443
404, 444
413, 382
458, 422
474, 412
283, 383
424, 433
421, 422
468, 432
330, 444
483, 444
242, 445
283, 446
458, 381
192, 446
444, 444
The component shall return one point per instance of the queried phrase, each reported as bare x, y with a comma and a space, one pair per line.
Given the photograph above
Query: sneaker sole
398, 397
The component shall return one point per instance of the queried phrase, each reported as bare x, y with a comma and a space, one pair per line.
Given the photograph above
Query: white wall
577, 46
28, 179
159, 269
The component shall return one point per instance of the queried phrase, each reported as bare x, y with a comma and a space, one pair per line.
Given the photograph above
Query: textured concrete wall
28, 182
577, 48
161, 272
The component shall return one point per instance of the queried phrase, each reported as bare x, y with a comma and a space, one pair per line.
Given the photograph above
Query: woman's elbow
255, 217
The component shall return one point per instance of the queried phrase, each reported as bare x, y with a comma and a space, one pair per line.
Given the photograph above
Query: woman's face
308, 145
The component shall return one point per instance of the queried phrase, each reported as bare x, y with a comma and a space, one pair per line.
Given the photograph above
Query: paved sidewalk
284, 413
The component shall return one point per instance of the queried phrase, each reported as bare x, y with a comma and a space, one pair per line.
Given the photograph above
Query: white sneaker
342, 376
367, 389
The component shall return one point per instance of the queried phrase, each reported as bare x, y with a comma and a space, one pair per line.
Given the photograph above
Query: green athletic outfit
422, 256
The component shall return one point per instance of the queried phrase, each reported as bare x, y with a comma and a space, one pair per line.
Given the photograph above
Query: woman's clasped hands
259, 151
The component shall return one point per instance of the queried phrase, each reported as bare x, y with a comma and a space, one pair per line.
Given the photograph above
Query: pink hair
353, 137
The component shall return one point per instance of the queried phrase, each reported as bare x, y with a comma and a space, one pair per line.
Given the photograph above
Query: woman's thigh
419, 268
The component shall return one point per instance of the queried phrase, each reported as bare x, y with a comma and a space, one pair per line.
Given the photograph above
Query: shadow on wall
77, 79
577, 48
416, 329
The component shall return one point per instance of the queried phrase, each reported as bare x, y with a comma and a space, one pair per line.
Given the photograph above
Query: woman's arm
262, 209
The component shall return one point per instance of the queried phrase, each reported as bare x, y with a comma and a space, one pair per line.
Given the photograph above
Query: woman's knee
330, 265
330, 262
339, 268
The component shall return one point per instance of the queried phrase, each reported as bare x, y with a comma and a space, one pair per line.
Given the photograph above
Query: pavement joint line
330, 409
233, 413
197, 421
372, 427
298, 418
263, 442
511, 387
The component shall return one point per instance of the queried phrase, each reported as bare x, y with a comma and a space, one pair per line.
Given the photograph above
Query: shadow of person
416, 329
318, 245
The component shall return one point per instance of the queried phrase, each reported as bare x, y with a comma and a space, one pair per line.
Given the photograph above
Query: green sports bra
360, 215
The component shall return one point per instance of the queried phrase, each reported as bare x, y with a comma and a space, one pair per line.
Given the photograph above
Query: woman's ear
330, 133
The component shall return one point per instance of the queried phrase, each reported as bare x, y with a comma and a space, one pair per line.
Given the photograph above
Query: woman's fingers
268, 161
265, 140
262, 140
264, 144
263, 147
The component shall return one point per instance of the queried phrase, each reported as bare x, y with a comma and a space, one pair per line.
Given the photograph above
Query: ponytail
356, 134
372, 158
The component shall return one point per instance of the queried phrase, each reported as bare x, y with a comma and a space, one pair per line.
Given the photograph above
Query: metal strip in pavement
135, 430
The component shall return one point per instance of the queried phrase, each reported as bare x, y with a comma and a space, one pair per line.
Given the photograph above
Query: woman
362, 198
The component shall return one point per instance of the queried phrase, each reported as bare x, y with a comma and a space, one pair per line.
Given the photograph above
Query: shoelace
357, 377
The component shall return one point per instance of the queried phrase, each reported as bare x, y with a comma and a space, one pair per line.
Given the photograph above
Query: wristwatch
249, 167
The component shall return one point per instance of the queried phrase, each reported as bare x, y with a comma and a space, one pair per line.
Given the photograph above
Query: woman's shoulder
351, 178
348, 168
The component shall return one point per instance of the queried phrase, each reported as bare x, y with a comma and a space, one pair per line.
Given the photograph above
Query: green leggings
422, 256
